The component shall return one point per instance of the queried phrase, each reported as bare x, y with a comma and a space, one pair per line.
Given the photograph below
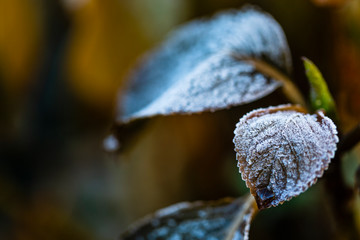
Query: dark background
61, 66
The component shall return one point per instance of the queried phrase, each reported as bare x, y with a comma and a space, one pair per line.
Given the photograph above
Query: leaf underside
202, 67
192, 221
282, 151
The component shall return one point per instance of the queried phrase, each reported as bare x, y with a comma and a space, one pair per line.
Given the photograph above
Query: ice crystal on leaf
198, 220
202, 66
282, 151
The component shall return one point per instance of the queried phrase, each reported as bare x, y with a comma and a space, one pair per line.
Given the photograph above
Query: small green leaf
320, 97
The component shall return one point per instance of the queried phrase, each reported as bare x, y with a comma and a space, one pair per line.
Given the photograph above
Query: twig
289, 88
239, 217
339, 197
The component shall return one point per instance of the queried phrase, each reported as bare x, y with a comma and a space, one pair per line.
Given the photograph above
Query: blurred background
62, 63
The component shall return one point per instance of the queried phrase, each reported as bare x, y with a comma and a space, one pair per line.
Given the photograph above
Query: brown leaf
347, 60
198, 220
282, 151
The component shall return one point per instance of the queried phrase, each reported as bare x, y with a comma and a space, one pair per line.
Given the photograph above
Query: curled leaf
204, 66
199, 220
281, 151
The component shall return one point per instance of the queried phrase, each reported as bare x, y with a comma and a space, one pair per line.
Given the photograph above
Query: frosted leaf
282, 151
202, 67
198, 220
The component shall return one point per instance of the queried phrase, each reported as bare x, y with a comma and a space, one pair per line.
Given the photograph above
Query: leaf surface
282, 151
320, 95
202, 67
199, 220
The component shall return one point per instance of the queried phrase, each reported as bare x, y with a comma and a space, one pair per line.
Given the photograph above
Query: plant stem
339, 197
289, 88
240, 217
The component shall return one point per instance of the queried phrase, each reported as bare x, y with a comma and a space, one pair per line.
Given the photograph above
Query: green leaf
320, 97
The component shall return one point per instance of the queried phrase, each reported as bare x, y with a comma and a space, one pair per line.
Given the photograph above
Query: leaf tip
309, 67
264, 198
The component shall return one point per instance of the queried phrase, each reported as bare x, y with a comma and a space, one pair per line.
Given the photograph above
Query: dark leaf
198, 220
204, 66
281, 151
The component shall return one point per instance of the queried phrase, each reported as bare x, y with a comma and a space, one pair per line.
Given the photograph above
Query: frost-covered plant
282, 151
237, 57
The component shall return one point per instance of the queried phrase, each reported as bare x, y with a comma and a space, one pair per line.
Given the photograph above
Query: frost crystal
193, 221
200, 67
281, 151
